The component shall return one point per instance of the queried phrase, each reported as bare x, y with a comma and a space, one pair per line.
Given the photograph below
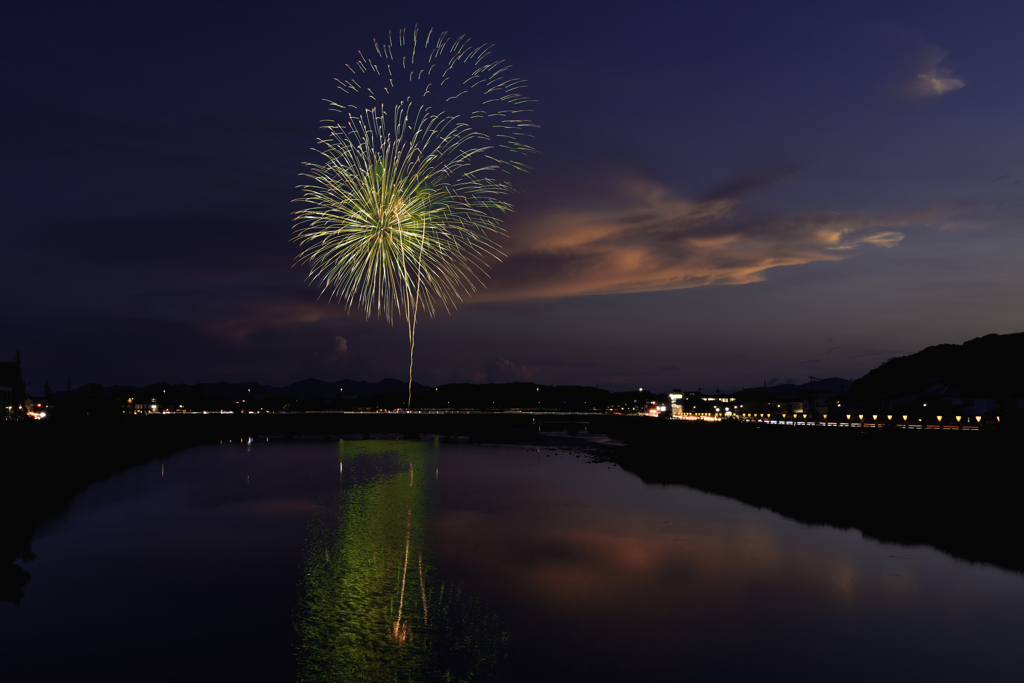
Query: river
422, 560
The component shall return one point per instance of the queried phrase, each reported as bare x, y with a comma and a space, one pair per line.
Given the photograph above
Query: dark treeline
531, 397
95, 401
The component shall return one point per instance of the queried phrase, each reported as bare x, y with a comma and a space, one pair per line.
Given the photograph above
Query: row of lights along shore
824, 417
849, 417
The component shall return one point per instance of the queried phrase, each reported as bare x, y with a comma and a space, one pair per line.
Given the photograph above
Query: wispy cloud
236, 325
504, 370
653, 240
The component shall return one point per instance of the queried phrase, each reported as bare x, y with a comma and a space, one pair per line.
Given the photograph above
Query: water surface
402, 560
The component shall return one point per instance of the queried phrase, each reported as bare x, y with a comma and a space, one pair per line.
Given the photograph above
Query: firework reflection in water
351, 624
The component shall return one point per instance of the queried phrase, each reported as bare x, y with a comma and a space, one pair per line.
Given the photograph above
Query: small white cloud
339, 348
939, 82
931, 79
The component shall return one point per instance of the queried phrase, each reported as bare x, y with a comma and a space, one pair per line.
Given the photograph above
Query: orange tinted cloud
655, 241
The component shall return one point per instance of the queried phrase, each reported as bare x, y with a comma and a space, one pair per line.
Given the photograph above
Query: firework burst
449, 75
403, 210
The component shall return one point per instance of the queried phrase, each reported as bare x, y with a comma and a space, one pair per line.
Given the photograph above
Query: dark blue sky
725, 192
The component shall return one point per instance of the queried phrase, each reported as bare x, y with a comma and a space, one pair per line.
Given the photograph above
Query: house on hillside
942, 395
933, 387
970, 404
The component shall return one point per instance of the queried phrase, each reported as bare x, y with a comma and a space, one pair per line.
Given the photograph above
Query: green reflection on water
374, 605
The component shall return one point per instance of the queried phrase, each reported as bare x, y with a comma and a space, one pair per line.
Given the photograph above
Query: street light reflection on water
340, 562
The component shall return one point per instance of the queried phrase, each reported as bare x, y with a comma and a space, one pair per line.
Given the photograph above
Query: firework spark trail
400, 631
423, 591
404, 208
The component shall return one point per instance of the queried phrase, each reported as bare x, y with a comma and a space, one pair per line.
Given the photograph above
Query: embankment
956, 491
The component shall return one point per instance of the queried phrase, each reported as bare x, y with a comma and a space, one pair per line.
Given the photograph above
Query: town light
957, 418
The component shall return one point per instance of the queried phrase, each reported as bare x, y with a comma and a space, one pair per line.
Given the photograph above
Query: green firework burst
403, 210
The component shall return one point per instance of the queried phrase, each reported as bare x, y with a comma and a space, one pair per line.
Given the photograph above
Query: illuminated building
675, 400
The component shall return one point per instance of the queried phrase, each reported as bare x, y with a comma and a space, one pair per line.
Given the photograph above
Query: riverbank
955, 491
951, 490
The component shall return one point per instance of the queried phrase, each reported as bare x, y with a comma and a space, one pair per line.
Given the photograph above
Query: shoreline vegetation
946, 489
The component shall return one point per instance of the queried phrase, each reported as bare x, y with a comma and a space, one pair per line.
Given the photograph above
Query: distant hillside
991, 365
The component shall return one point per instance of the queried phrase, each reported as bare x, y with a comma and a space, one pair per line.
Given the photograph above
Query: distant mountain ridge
828, 385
